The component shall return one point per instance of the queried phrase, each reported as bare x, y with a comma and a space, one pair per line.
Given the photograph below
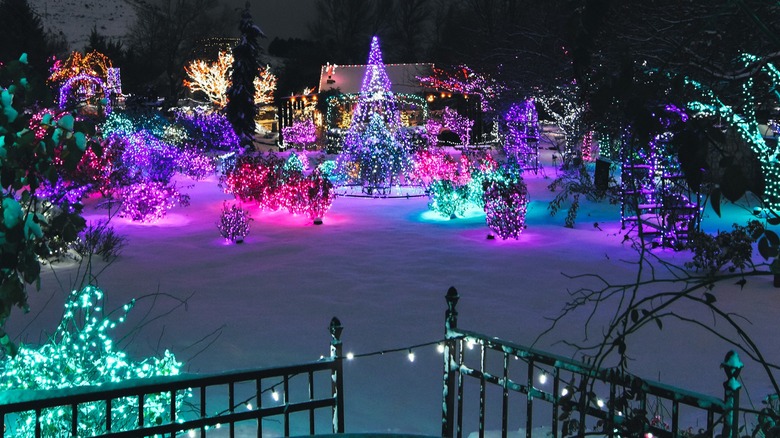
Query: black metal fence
579, 399
570, 397
239, 387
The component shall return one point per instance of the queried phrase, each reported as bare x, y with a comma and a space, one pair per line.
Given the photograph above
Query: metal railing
574, 400
201, 386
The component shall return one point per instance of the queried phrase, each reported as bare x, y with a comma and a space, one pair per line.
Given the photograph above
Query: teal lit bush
81, 352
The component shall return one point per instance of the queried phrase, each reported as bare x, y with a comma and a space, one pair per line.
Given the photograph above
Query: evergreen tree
21, 31
374, 142
112, 48
240, 109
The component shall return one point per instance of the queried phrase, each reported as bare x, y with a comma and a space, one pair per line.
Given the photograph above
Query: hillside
76, 18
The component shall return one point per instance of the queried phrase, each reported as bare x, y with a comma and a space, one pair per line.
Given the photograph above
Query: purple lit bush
233, 223
522, 130
208, 131
506, 202
149, 201
148, 157
301, 134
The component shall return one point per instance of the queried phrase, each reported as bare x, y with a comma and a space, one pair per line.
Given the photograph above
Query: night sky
281, 18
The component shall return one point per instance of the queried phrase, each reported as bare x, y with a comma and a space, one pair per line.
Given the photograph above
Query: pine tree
240, 108
21, 31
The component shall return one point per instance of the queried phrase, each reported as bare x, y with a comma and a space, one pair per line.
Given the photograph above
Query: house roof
349, 78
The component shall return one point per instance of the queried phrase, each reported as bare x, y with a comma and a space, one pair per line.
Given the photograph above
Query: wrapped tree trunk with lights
240, 108
747, 125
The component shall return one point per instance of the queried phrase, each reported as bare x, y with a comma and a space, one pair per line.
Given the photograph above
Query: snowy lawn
383, 267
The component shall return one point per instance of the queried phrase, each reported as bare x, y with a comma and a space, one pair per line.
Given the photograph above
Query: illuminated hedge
506, 202
150, 201
448, 198
275, 183
81, 352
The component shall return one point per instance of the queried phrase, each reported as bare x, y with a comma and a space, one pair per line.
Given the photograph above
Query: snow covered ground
383, 267
76, 18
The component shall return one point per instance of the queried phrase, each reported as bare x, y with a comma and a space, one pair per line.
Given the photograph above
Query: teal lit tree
375, 151
746, 124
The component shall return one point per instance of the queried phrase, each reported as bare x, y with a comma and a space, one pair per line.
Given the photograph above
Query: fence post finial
335, 328
732, 366
451, 317
337, 374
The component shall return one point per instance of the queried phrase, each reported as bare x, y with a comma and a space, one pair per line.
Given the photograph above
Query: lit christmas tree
374, 142
506, 202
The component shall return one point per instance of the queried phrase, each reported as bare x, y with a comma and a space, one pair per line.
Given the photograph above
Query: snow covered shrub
506, 202
81, 352
448, 199
233, 223
195, 164
729, 249
150, 201
100, 239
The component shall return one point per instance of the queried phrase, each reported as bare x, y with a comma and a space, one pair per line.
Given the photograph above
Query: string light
543, 378
374, 142
276, 183
464, 80
213, 79
275, 395
410, 356
746, 125
83, 346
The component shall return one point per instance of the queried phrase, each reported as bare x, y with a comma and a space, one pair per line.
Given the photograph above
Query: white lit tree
213, 79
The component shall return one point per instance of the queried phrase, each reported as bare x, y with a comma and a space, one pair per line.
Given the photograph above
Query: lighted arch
67, 89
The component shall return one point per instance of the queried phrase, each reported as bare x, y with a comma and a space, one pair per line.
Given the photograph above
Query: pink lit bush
275, 183
430, 166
